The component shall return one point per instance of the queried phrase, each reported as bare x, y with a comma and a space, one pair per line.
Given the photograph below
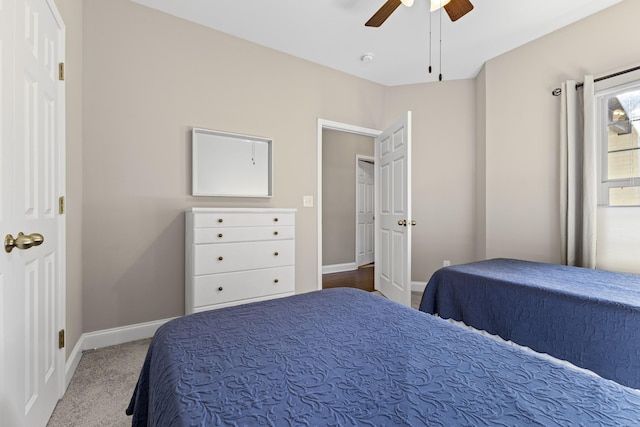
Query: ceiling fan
456, 9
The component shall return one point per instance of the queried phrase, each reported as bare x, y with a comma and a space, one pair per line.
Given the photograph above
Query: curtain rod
557, 91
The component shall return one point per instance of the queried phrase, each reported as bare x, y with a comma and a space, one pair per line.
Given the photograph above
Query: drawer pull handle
220, 258
275, 233
220, 289
220, 236
276, 253
276, 281
275, 219
219, 219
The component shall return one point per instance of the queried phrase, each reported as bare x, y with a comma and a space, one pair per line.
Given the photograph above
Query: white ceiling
332, 32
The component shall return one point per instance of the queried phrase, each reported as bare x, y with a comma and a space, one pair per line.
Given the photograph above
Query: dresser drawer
242, 219
242, 234
227, 257
227, 287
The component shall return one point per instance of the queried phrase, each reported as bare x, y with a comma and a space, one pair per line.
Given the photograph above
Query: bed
346, 357
588, 317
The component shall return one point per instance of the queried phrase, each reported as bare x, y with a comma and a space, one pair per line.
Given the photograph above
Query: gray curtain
578, 174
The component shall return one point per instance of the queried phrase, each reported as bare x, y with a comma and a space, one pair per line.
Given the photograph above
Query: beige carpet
101, 387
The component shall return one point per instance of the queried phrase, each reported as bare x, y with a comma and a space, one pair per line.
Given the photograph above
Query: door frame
62, 209
62, 216
370, 159
342, 127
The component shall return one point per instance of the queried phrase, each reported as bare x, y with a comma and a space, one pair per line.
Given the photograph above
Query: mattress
344, 357
590, 318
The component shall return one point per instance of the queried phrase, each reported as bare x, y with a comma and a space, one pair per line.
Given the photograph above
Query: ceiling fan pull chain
440, 76
430, 27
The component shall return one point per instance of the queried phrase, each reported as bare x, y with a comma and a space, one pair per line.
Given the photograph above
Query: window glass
620, 149
623, 145
623, 164
624, 196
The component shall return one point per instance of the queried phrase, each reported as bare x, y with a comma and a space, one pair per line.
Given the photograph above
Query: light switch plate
307, 201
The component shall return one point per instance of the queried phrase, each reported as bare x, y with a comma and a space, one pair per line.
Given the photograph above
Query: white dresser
235, 256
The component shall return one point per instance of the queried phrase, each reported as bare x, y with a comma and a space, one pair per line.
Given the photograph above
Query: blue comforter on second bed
589, 317
344, 357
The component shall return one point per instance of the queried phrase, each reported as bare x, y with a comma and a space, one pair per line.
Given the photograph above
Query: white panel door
393, 211
32, 179
364, 211
6, 183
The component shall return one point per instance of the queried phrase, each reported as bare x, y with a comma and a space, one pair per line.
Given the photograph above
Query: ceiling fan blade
383, 13
456, 9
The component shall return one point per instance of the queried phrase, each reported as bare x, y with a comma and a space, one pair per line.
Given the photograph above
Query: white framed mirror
231, 165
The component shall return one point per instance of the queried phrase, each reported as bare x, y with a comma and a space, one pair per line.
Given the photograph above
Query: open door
393, 211
364, 210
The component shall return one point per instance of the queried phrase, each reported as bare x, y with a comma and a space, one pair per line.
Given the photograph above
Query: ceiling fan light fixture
407, 3
437, 4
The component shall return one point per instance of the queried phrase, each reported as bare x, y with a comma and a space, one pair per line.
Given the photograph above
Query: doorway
392, 194
343, 263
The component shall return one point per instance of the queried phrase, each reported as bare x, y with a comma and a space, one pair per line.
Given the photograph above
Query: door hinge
61, 205
61, 71
61, 338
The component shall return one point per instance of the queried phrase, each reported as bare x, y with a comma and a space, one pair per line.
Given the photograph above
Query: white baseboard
114, 336
73, 361
418, 286
106, 338
339, 268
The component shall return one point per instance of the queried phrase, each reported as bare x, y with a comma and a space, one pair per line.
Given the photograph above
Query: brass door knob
22, 241
402, 222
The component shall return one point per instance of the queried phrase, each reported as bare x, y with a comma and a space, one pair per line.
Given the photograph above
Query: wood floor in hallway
362, 278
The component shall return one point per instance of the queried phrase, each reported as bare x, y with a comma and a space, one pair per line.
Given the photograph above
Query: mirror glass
231, 165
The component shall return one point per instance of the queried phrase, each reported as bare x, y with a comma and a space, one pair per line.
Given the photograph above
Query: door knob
22, 241
402, 222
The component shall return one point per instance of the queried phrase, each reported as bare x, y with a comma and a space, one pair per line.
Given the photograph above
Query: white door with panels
393, 211
364, 210
32, 180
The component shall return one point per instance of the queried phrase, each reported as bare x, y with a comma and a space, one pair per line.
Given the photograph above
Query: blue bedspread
344, 357
588, 317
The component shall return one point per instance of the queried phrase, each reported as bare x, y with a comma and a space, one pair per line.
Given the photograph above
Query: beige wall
149, 78
339, 150
443, 170
71, 12
480, 195
485, 150
522, 126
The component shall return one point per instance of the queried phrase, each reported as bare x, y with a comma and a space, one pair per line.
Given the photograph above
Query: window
619, 132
